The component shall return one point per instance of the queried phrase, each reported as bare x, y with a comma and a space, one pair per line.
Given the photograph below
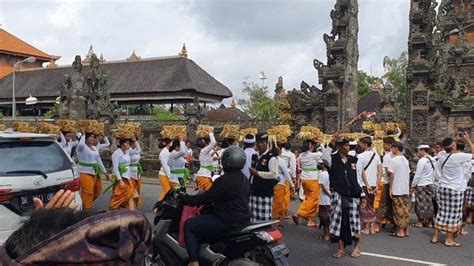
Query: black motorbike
255, 244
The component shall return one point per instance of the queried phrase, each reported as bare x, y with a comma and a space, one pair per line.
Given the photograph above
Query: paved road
307, 249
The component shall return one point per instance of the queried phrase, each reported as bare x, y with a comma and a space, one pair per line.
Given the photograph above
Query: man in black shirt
264, 178
227, 201
345, 218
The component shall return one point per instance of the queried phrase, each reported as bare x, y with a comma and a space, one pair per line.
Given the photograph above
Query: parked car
31, 165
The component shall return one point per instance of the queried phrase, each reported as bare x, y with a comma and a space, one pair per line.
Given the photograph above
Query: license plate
279, 250
26, 202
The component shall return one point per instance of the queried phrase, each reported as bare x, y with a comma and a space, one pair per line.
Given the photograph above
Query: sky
232, 40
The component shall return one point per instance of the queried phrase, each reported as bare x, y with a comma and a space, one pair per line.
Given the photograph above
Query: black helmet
233, 158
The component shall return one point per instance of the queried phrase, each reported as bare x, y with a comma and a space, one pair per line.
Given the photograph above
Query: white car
31, 165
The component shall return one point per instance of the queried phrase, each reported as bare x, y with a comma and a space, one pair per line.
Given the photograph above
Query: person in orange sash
309, 181
90, 168
165, 172
136, 172
279, 207
122, 195
204, 175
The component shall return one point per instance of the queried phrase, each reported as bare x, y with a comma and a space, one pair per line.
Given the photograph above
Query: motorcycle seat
248, 228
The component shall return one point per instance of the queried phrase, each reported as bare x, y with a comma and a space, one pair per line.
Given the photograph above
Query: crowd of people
346, 187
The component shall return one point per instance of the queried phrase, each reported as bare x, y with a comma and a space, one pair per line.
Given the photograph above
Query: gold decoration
137, 129
369, 125
174, 131
67, 125
230, 132
23, 127
125, 131
203, 131
279, 133
2, 127
47, 128
99, 129
326, 139
89, 126
248, 131
378, 146
183, 52
133, 57
354, 136
310, 133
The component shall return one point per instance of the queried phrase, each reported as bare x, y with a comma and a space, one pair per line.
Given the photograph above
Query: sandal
356, 253
296, 219
417, 225
455, 244
339, 254
395, 235
434, 242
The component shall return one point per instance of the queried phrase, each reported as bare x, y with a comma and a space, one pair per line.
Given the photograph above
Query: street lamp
30, 60
262, 76
32, 101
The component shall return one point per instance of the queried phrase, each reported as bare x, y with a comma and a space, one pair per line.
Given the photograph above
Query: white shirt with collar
176, 161
135, 156
386, 161
121, 158
425, 171
363, 160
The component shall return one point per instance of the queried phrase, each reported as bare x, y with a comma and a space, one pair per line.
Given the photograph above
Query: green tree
257, 103
161, 114
395, 74
364, 83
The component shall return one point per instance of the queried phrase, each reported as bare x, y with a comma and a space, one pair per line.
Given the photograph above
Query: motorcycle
255, 244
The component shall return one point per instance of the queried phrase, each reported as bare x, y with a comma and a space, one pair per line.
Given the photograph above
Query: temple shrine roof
165, 79
10, 44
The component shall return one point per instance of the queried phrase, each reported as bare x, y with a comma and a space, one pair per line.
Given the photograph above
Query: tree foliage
161, 114
364, 84
257, 103
395, 74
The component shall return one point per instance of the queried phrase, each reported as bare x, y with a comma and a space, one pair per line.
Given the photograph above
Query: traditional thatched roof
154, 79
227, 114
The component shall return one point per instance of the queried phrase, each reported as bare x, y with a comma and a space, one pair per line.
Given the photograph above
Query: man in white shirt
450, 192
383, 200
249, 144
399, 173
290, 160
422, 184
369, 173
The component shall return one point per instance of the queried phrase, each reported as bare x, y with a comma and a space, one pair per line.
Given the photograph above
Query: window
45, 156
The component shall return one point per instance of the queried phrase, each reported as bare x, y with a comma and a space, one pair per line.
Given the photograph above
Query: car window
45, 156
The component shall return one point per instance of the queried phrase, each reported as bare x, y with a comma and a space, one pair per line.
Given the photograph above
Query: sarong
324, 215
121, 196
287, 197
261, 208
449, 216
203, 182
424, 202
166, 186
367, 212
470, 198
378, 197
309, 207
91, 188
401, 208
385, 212
345, 220
278, 206
137, 187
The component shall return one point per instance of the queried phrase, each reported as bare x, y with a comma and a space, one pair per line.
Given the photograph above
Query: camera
461, 134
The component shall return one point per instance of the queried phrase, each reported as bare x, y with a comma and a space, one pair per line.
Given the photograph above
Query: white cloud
230, 39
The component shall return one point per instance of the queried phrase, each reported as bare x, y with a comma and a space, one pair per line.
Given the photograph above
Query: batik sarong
385, 211
424, 202
367, 212
401, 208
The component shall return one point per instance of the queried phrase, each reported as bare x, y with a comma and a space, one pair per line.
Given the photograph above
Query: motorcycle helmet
233, 158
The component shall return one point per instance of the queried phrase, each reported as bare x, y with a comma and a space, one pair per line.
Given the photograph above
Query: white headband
249, 141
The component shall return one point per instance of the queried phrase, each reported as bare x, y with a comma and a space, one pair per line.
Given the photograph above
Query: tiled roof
13, 45
227, 114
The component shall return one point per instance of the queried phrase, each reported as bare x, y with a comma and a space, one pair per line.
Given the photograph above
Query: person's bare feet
339, 254
312, 224
365, 231
356, 253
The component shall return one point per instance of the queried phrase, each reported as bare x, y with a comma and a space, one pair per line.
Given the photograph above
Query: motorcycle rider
227, 201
